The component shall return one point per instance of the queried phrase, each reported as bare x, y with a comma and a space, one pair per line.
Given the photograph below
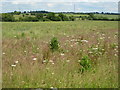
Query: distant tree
29, 19
8, 17
91, 16
32, 13
23, 15
82, 17
21, 19
72, 18
63, 17
57, 18
102, 12
16, 12
27, 13
0, 17
45, 19
39, 16
24, 12
50, 16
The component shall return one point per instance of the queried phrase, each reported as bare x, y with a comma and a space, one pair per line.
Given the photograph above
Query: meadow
87, 56
108, 16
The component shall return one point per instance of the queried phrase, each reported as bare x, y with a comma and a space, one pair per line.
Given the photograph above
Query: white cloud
19, 1
23, 2
50, 4
79, 9
68, 4
60, 5
0, 5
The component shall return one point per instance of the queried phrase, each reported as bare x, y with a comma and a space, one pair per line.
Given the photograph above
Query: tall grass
28, 61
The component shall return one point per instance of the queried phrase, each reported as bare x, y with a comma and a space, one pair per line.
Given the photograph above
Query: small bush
113, 46
85, 63
22, 34
54, 44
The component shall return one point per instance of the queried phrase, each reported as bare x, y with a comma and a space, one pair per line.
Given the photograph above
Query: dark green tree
16, 12
72, 18
8, 17
39, 16
51, 16
63, 17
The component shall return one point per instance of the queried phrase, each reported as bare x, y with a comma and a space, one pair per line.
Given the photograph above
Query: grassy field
28, 61
108, 16
76, 15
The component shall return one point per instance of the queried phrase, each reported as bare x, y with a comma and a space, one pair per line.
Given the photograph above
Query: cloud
24, 2
50, 4
53, 4
19, 1
0, 5
68, 4
59, 6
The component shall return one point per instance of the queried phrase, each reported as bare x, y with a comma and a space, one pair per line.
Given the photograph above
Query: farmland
108, 16
28, 61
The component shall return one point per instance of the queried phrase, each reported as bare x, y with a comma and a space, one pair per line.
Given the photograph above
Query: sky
59, 5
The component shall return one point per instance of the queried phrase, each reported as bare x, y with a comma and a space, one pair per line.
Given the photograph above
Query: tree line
102, 18
49, 16
36, 17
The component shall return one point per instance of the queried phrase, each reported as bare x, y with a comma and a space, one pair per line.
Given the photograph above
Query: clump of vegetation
22, 34
85, 63
113, 46
7, 17
54, 44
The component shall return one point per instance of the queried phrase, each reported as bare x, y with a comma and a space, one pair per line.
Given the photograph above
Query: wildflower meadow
65, 54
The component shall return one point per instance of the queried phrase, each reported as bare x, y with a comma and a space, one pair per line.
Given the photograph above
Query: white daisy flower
67, 60
95, 48
116, 55
34, 59
71, 45
44, 61
25, 51
78, 60
51, 61
84, 41
3, 53
90, 52
16, 62
13, 65
62, 54
52, 73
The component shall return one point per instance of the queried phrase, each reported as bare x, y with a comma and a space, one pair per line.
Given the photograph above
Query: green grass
25, 41
77, 15
108, 16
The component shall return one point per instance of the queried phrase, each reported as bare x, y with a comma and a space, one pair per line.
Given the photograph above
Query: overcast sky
60, 5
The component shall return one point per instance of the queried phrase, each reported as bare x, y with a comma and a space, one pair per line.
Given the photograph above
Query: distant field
108, 16
21, 15
76, 14
28, 61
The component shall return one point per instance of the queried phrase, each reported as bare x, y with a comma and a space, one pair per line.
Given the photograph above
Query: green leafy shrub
7, 17
85, 63
113, 46
54, 44
22, 34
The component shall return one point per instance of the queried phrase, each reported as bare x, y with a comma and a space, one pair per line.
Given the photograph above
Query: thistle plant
54, 44
85, 63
